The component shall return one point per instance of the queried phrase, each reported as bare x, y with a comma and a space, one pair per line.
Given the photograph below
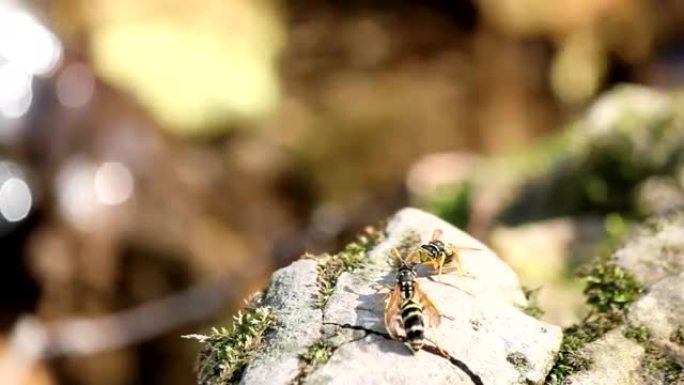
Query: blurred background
160, 158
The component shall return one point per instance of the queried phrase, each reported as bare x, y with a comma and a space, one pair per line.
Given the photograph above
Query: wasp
438, 254
410, 309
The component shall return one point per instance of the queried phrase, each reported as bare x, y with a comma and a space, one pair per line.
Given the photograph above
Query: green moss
616, 227
314, 357
678, 336
351, 258
639, 334
610, 287
609, 290
228, 351
518, 360
602, 164
451, 203
567, 362
318, 353
408, 240
532, 309
656, 366
570, 359
659, 367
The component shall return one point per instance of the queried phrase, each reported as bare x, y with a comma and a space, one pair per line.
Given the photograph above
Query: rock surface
616, 360
625, 156
555, 244
489, 338
299, 324
655, 255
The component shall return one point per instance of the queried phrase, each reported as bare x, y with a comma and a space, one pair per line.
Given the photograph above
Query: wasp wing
392, 313
433, 316
453, 263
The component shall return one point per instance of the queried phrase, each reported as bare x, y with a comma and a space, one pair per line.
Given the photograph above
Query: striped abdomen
412, 320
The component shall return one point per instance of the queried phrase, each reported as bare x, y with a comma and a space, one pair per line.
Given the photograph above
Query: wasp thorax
434, 248
406, 277
406, 274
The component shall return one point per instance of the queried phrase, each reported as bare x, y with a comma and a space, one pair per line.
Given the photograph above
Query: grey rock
655, 255
652, 256
624, 156
661, 310
553, 244
377, 361
615, 361
484, 329
290, 293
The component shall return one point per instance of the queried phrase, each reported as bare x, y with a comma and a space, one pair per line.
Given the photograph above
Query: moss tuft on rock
532, 309
570, 358
351, 258
609, 290
407, 241
314, 357
678, 336
658, 367
610, 287
518, 360
639, 334
452, 203
228, 351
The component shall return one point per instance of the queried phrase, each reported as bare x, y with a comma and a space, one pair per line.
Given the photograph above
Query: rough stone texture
554, 244
488, 325
290, 293
655, 255
616, 360
624, 156
662, 309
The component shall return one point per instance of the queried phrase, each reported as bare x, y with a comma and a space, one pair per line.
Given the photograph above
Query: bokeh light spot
15, 199
75, 85
75, 192
113, 183
15, 91
27, 43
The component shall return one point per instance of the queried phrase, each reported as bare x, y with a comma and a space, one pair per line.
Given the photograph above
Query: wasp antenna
395, 252
436, 234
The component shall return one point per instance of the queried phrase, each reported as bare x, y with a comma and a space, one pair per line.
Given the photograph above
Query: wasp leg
434, 342
413, 257
456, 259
458, 272
380, 303
441, 265
378, 287
457, 264
434, 310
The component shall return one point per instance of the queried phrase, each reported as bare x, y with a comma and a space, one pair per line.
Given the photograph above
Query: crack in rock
314, 346
430, 349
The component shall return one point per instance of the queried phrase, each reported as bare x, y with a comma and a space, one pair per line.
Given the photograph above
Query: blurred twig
33, 340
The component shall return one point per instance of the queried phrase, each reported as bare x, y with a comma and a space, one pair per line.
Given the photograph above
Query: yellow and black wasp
409, 309
439, 254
